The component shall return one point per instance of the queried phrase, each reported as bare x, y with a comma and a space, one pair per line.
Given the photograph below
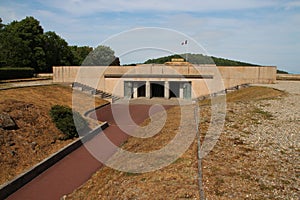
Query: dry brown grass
253, 93
229, 167
37, 137
247, 94
45, 96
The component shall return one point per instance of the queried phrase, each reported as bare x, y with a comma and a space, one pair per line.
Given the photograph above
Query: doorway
157, 89
141, 89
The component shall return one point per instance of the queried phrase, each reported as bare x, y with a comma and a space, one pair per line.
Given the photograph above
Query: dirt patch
235, 169
35, 137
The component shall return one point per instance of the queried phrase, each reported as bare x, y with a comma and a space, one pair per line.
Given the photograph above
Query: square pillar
135, 90
148, 89
181, 91
167, 90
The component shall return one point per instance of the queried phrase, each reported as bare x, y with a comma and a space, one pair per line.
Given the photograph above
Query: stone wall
205, 79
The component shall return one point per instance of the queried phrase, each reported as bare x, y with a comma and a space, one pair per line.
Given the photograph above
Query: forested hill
199, 59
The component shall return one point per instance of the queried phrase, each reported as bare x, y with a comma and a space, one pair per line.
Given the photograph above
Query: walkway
11, 85
76, 168
288, 86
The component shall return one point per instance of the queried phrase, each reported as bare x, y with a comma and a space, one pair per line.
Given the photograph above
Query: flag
184, 42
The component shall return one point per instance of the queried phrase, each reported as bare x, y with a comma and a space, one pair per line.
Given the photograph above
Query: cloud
292, 5
267, 38
87, 7
263, 32
11, 13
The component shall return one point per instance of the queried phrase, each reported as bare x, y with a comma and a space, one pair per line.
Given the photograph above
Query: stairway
93, 91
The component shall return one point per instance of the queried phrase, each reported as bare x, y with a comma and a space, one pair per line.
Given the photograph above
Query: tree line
199, 59
25, 44
203, 59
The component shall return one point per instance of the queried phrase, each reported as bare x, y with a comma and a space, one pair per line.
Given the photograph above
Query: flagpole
186, 49
186, 54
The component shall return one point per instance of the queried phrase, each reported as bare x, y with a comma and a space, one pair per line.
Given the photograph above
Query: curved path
76, 168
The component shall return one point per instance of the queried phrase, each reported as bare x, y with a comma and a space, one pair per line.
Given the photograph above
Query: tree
101, 56
162, 60
116, 62
57, 51
80, 53
1, 24
13, 50
21, 44
24, 44
199, 59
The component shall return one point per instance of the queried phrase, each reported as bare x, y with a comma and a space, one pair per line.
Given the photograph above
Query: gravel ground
266, 134
283, 130
279, 138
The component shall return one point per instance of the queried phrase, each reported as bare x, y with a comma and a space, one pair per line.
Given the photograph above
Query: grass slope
37, 137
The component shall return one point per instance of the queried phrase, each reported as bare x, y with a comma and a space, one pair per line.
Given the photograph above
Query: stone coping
10, 187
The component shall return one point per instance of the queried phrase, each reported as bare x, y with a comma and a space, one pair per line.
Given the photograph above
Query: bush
16, 73
64, 118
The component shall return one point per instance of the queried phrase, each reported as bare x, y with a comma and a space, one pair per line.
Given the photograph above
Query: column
181, 90
135, 90
167, 91
147, 89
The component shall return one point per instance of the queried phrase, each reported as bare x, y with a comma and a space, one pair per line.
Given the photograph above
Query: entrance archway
141, 91
157, 89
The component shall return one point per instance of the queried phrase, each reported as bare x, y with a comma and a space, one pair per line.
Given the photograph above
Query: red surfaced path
76, 168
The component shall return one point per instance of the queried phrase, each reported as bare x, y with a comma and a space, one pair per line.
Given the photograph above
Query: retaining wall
12, 186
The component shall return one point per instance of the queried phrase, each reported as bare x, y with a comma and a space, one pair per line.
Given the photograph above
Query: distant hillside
199, 59
281, 72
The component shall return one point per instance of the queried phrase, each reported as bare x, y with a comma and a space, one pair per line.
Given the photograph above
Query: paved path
76, 168
4, 86
288, 86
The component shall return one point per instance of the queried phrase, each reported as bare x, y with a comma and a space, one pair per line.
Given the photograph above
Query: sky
261, 32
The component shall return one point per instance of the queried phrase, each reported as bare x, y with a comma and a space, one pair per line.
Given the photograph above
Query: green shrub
16, 73
64, 118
